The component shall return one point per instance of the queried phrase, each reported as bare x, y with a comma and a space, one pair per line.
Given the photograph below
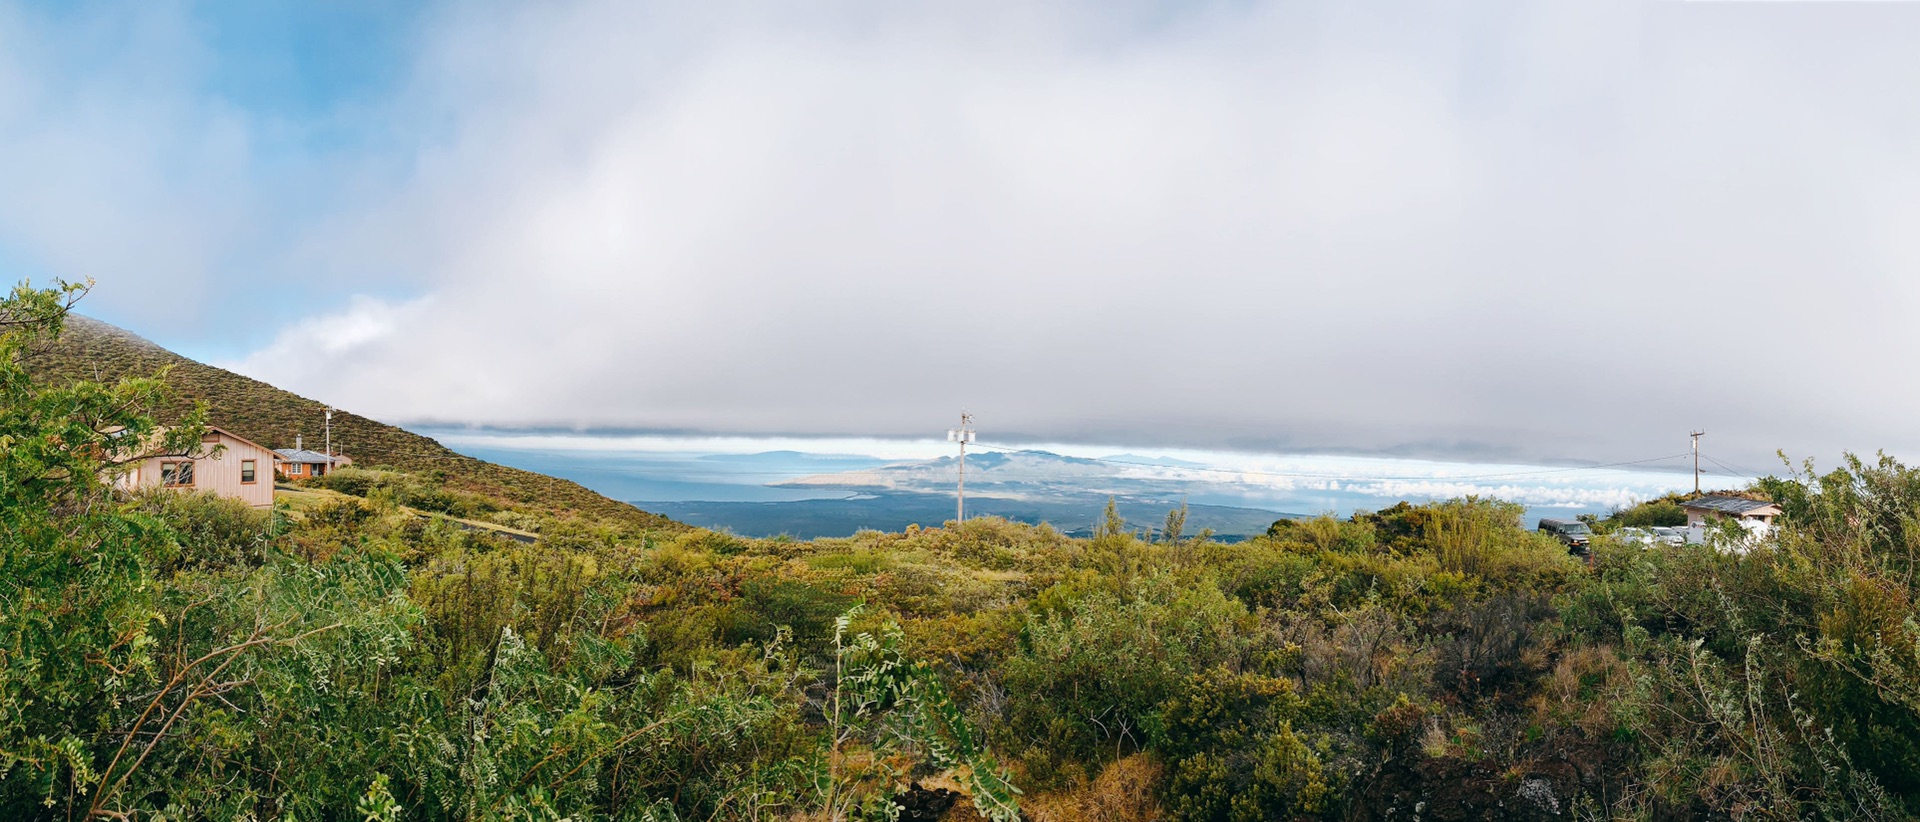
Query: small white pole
962, 435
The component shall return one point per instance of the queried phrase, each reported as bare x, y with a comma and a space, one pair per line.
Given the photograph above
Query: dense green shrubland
398, 488
182, 657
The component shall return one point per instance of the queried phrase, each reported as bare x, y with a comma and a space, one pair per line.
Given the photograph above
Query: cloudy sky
1464, 230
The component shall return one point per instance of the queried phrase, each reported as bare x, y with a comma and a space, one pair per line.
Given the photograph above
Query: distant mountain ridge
93, 350
1022, 475
992, 473
1136, 459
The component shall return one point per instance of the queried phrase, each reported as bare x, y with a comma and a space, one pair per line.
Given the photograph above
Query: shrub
1663, 512
1233, 753
1088, 682
211, 531
353, 481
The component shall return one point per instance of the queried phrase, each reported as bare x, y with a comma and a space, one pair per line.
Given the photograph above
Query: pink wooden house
225, 464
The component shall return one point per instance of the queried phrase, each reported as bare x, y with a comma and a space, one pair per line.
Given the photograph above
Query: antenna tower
962, 435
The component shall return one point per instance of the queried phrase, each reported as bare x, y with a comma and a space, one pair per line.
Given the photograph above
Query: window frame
171, 472
249, 472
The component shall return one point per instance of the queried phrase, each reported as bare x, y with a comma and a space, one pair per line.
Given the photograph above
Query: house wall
218, 473
296, 470
1757, 526
1697, 518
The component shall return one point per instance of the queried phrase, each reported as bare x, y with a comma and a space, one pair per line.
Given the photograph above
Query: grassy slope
92, 350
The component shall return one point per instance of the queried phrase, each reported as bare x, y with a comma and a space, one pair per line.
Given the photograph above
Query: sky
1474, 231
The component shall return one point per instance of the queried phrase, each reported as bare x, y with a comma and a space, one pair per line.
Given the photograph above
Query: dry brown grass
1124, 792
1584, 684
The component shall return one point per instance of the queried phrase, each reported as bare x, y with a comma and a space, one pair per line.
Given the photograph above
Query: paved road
512, 535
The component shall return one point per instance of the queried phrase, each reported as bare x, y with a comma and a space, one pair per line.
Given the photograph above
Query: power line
1733, 469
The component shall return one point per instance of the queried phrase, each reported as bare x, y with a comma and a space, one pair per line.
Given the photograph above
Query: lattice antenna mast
962, 435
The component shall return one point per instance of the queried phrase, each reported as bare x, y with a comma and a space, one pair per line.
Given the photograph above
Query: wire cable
1731, 469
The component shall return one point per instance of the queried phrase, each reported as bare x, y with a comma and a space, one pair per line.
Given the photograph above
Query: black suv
1573, 533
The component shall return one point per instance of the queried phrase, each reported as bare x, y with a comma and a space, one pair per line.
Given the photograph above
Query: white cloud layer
1479, 230
1274, 481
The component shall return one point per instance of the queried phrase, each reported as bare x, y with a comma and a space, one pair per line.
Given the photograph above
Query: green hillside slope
91, 349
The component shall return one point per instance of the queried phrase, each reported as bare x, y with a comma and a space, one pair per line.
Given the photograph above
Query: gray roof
1726, 505
302, 455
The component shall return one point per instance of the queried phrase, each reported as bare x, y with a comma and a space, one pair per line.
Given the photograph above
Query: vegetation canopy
398, 643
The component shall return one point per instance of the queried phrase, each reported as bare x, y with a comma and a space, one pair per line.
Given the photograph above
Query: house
226, 464
299, 463
1756, 516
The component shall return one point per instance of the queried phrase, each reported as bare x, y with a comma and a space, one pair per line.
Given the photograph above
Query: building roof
151, 447
303, 456
1734, 506
232, 436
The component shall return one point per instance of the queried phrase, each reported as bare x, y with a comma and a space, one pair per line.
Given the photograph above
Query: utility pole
1696, 461
329, 429
962, 435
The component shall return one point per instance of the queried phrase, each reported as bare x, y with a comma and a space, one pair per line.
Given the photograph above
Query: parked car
1670, 534
1633, 535
1573, 533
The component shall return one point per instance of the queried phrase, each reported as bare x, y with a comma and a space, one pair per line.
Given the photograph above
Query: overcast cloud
1485, 230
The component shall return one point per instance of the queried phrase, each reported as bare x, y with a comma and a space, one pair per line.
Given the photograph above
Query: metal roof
1726, 505
302, 455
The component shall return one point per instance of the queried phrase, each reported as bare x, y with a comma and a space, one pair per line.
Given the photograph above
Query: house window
246, 470
294, 469
176, 473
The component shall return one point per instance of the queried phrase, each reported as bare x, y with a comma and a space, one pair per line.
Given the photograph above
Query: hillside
94, 350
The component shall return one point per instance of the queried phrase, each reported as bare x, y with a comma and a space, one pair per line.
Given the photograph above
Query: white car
1631, 535
1670, 535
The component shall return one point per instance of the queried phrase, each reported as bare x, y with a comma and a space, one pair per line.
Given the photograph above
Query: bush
1091, 674
408, 490
210, 531
1665, 513
1233, 753
352, 481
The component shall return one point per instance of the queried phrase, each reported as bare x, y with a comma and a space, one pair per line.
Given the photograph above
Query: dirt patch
923, 804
